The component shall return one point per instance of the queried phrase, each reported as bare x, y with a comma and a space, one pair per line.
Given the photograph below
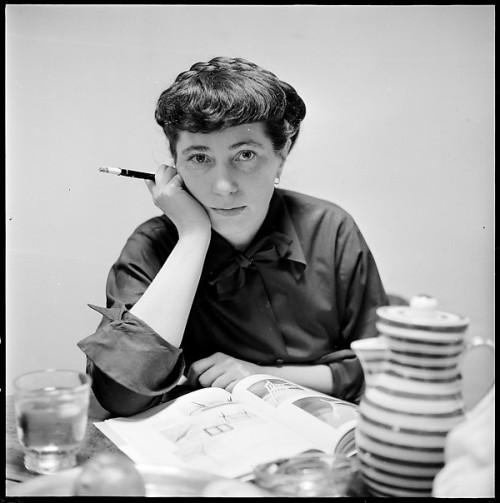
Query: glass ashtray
307, 475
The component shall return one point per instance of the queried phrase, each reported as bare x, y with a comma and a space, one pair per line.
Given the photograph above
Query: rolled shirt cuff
131, 353
347, 374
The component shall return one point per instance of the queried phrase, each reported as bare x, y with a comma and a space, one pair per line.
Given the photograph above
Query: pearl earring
277, 180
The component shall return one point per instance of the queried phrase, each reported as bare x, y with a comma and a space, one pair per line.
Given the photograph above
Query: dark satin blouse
305, 288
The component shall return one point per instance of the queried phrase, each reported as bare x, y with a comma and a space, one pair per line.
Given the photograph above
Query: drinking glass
307, 475
51, 417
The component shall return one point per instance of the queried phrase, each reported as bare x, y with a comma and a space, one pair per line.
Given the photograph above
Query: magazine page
208, 430
327, 422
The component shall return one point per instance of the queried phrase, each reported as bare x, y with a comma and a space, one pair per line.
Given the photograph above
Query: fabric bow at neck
266, 252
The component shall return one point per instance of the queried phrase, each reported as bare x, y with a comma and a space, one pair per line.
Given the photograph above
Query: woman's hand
171, 196
220, 371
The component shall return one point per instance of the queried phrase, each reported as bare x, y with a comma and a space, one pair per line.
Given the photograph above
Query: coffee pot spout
372, 354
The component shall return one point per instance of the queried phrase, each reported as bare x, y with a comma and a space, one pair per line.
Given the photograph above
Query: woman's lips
229, 212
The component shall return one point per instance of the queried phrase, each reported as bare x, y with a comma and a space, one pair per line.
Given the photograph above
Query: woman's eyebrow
195, 147
251, 143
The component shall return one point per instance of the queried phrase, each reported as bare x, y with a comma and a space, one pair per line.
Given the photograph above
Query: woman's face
231, 173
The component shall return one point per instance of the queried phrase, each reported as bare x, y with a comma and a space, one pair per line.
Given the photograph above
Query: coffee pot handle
477, 369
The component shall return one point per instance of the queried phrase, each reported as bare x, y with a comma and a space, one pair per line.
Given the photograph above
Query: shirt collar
278, 222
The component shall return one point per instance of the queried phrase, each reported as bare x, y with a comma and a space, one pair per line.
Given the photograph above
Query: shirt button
279, 361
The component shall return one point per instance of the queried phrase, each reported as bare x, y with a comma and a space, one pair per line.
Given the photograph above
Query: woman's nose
224, 183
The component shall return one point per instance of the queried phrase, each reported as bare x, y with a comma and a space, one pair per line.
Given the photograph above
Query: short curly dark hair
225, 92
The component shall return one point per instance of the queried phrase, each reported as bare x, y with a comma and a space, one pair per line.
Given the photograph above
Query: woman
236, 277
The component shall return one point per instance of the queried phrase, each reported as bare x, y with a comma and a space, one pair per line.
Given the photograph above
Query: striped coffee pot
413, 396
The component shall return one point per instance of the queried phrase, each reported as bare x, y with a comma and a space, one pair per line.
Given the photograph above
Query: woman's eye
245, 155
198, 158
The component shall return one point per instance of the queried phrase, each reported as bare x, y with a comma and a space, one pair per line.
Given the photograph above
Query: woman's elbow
117, 399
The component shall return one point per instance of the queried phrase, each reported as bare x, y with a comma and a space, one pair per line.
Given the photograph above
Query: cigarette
127, 172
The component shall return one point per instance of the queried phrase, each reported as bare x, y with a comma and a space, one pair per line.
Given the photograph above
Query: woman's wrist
200, 233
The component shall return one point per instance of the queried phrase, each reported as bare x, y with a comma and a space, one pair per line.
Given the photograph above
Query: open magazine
265, 418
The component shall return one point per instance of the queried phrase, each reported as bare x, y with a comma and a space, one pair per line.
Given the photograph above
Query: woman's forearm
317, 377
166, 303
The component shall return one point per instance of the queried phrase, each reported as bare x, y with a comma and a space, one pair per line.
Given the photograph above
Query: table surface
95, 442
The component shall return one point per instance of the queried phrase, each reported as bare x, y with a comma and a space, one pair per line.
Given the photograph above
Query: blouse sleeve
359, 293
131, 366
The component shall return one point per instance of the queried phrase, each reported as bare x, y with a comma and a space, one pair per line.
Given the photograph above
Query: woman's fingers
225, 381
209, 376
218, 370
197, 369
150, 184
164, 173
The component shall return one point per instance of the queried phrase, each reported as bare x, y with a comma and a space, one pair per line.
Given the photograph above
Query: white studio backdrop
399, 132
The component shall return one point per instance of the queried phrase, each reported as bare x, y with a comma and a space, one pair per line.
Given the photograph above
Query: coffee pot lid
422, 314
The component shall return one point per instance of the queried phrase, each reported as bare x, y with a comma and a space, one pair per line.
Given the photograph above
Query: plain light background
399, 132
